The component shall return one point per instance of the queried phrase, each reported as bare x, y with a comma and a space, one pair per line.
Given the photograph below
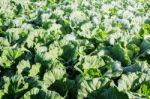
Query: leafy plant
74, 49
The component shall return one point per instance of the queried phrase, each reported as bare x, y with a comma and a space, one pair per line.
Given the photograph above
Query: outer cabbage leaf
120, 54
23, 67
34, 70
92, 88
55, 72
9, 56
133, 84
41, 93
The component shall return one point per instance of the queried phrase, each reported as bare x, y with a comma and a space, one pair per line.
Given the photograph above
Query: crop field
74, 49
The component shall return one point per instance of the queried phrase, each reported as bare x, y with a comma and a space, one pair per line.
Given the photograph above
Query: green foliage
74, 49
